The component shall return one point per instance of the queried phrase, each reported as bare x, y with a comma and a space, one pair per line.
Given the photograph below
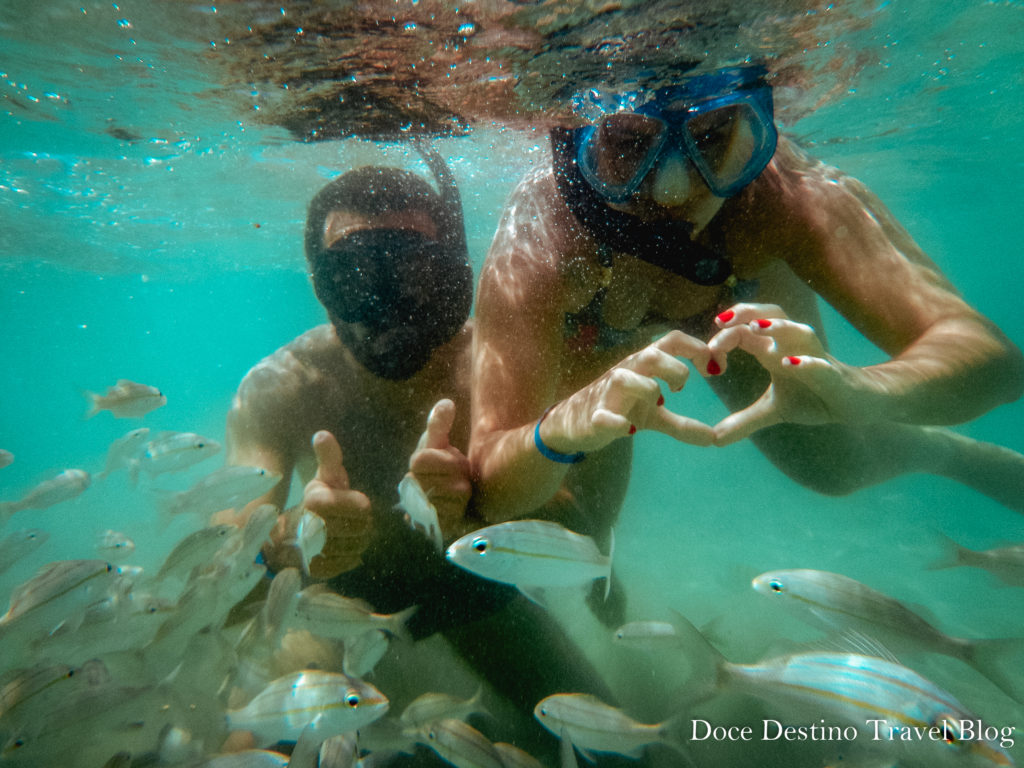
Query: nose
672, 184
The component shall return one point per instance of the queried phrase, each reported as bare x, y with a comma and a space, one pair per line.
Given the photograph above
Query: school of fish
105, 664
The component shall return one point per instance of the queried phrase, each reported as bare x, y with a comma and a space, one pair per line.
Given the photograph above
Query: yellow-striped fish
532, 554
881, 709
285, 707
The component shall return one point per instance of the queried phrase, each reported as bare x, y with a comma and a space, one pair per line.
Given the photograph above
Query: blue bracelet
547, 453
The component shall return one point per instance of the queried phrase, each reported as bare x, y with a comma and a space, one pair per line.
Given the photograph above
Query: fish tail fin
93, 401
1000, 660
396, 623
951, 553
7, 509
707, 662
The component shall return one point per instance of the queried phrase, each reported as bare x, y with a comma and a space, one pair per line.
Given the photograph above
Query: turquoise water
174, 258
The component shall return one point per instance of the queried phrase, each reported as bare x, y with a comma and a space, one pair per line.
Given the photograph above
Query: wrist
547, 451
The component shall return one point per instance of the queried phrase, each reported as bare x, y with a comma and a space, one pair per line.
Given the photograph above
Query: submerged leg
837, 459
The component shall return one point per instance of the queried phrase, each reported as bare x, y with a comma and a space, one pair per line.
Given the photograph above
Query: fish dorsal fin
858, 642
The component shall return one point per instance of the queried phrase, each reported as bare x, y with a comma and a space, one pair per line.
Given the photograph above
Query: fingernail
661, 400
726, 316
764, 323
714, 368
792, 360
632, 429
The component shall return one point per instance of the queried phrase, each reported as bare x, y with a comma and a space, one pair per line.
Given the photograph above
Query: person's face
388, 286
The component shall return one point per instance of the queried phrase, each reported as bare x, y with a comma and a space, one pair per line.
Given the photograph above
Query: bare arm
520, 366
949, 364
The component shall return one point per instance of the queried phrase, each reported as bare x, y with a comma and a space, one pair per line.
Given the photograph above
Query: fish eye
432, 735
950, 732
109, 567
776, 586
480, 544
352, 699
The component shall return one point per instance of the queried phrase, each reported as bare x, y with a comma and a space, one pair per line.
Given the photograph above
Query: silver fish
440, 706
196, 549
459, 744
855, 691
328, 614
308, 537
57, 591
1005, 563
836, 601
226, 488
175, 451
65, 486
125, 400
593, 726
531, 554
420, 513
290, 703
114, 545
20, 544
6, 458
124, 452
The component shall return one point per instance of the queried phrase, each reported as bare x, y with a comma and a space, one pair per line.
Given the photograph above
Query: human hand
628, 398
442, 471
808, 386
346, 512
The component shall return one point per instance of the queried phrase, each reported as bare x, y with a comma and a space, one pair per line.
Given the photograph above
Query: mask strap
668, 245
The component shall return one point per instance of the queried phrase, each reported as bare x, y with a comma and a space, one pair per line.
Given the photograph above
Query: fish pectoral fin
535, 595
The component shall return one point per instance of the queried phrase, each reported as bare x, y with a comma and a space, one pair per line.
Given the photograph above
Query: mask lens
730, 142
619, 151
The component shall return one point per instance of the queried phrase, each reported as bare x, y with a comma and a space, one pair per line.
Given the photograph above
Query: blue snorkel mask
722, 121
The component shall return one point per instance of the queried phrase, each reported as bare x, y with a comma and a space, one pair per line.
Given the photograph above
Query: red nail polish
714, 368
793, 360
726, 316
632, 429
764, 323
661, 400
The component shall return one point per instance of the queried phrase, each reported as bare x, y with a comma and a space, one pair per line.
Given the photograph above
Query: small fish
125, 400
196, 549
59, 587
308, 539
65, 486
441, 706
328, 614
459, 744
20, 544
593, 726
651, 636
532, 554
226, 488
124, 452
850, 689
175, 451
114, 545
835, 601
419, 512
6, 458
285, 707
1005, 563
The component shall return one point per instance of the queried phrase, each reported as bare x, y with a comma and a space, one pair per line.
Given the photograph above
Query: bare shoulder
294, 373
538, 250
